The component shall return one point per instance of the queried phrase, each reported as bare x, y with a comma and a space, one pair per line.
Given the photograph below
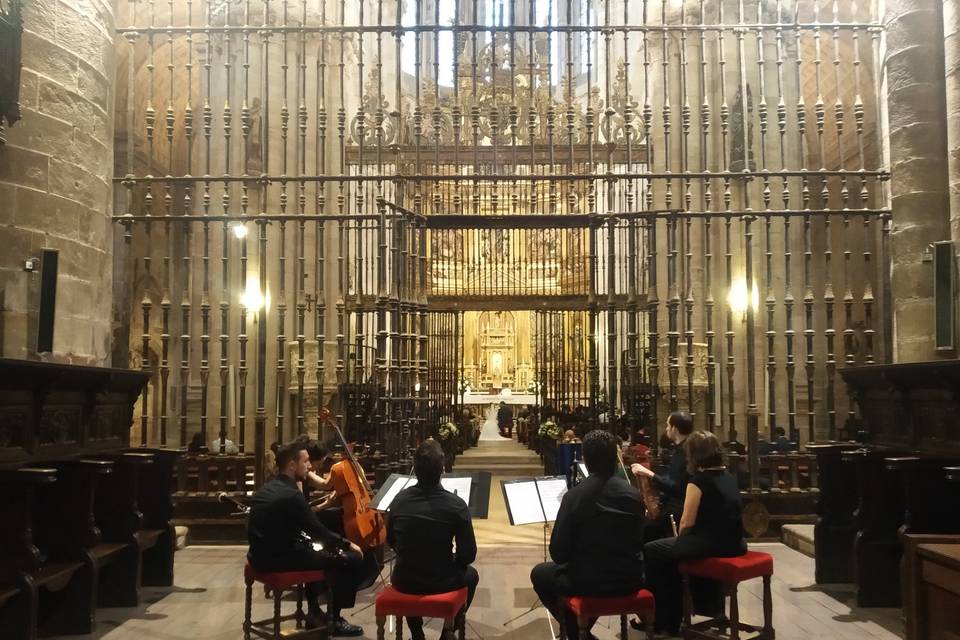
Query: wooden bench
200, 478
43, 579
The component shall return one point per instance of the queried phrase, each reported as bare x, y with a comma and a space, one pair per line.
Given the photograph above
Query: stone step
504, 469
517, 458
799, 537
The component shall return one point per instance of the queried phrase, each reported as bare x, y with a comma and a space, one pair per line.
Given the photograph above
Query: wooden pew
60, 586
786, 494
199, 480
835, 528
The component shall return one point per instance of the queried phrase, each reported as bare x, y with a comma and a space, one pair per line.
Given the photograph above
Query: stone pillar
918, 165
951, 51
55, 181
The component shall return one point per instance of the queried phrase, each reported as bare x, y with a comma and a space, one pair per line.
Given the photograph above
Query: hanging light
252, 298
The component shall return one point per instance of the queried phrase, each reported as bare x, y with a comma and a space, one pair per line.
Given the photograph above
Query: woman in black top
711, 526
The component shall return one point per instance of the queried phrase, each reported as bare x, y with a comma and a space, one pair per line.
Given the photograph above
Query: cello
362, 525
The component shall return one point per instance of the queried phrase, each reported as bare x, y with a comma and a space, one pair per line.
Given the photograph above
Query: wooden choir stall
87, 520
896, 537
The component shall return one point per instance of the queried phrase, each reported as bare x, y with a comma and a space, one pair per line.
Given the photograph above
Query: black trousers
551, 583
661, 558
470, 580
345, 571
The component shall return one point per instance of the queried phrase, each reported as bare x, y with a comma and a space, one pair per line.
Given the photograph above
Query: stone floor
207, 602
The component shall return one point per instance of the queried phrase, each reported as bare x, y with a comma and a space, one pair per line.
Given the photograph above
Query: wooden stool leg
583, 625
734, 613
399, 620
623, 627
649, 621
298, 617
247, 604
462, 626
276, 614
687, 602
768, 632
381, 631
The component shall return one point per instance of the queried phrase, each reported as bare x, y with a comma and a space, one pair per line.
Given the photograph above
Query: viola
649, 493
362, 525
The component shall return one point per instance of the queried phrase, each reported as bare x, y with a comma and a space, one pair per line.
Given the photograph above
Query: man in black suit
505, 420
672, 484
597, 540
425, 520
279, 516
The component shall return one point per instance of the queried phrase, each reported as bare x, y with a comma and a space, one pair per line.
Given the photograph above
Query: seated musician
711, 526
597, 539
425, 521
325, 505
279, 516
672, 484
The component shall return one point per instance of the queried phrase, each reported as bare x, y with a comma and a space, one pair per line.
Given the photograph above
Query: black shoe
342, 628
315, 620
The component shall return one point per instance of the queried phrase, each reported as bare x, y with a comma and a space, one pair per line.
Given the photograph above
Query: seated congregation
608, 557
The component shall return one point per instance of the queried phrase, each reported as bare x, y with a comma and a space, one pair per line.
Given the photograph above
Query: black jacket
673, 484
504, 414
422, 527
278, 514
598, 537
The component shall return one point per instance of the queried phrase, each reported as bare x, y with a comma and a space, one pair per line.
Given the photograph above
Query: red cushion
752, 564
640, 603
391, 602
282, 579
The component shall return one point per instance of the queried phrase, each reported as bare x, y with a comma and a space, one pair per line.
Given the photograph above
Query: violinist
279, 514
425, 521
597, 541
711, 526
672, 484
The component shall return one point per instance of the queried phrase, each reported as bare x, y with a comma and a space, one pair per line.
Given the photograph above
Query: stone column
918, 164
56, 174
951, 51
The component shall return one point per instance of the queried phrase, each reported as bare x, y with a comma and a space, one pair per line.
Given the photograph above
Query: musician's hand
355, 548
640, 470
324, 503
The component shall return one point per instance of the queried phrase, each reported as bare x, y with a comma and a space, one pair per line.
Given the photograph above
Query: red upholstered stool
587, 608
448, 606
729, 572
277, 583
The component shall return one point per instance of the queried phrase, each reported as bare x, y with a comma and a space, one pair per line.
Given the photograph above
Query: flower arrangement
448, 430
550, 429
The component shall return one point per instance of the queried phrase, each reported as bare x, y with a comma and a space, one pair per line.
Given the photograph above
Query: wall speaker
48, 299
943, 294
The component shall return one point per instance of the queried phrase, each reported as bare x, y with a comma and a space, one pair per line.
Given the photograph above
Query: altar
475, 397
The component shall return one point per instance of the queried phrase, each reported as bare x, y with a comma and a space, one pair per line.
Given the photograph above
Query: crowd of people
602, 544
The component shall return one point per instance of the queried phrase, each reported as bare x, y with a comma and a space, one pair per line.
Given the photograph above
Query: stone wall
55, 181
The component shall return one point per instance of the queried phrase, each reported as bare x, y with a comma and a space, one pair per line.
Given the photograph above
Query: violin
362, 525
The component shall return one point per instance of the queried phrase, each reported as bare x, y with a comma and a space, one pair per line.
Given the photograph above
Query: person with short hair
672, 484
425, 521
279, 516
711, 526
597, 541
505, 420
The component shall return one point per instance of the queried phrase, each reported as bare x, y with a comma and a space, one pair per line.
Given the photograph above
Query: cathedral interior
277, 216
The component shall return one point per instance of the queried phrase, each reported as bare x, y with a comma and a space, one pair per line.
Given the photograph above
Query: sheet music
524, 502
551, 492
392, 492
459, 487
583, 469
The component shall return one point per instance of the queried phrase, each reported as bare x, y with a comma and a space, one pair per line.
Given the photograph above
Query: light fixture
252, 298
239, 230
416, 387
738, 299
